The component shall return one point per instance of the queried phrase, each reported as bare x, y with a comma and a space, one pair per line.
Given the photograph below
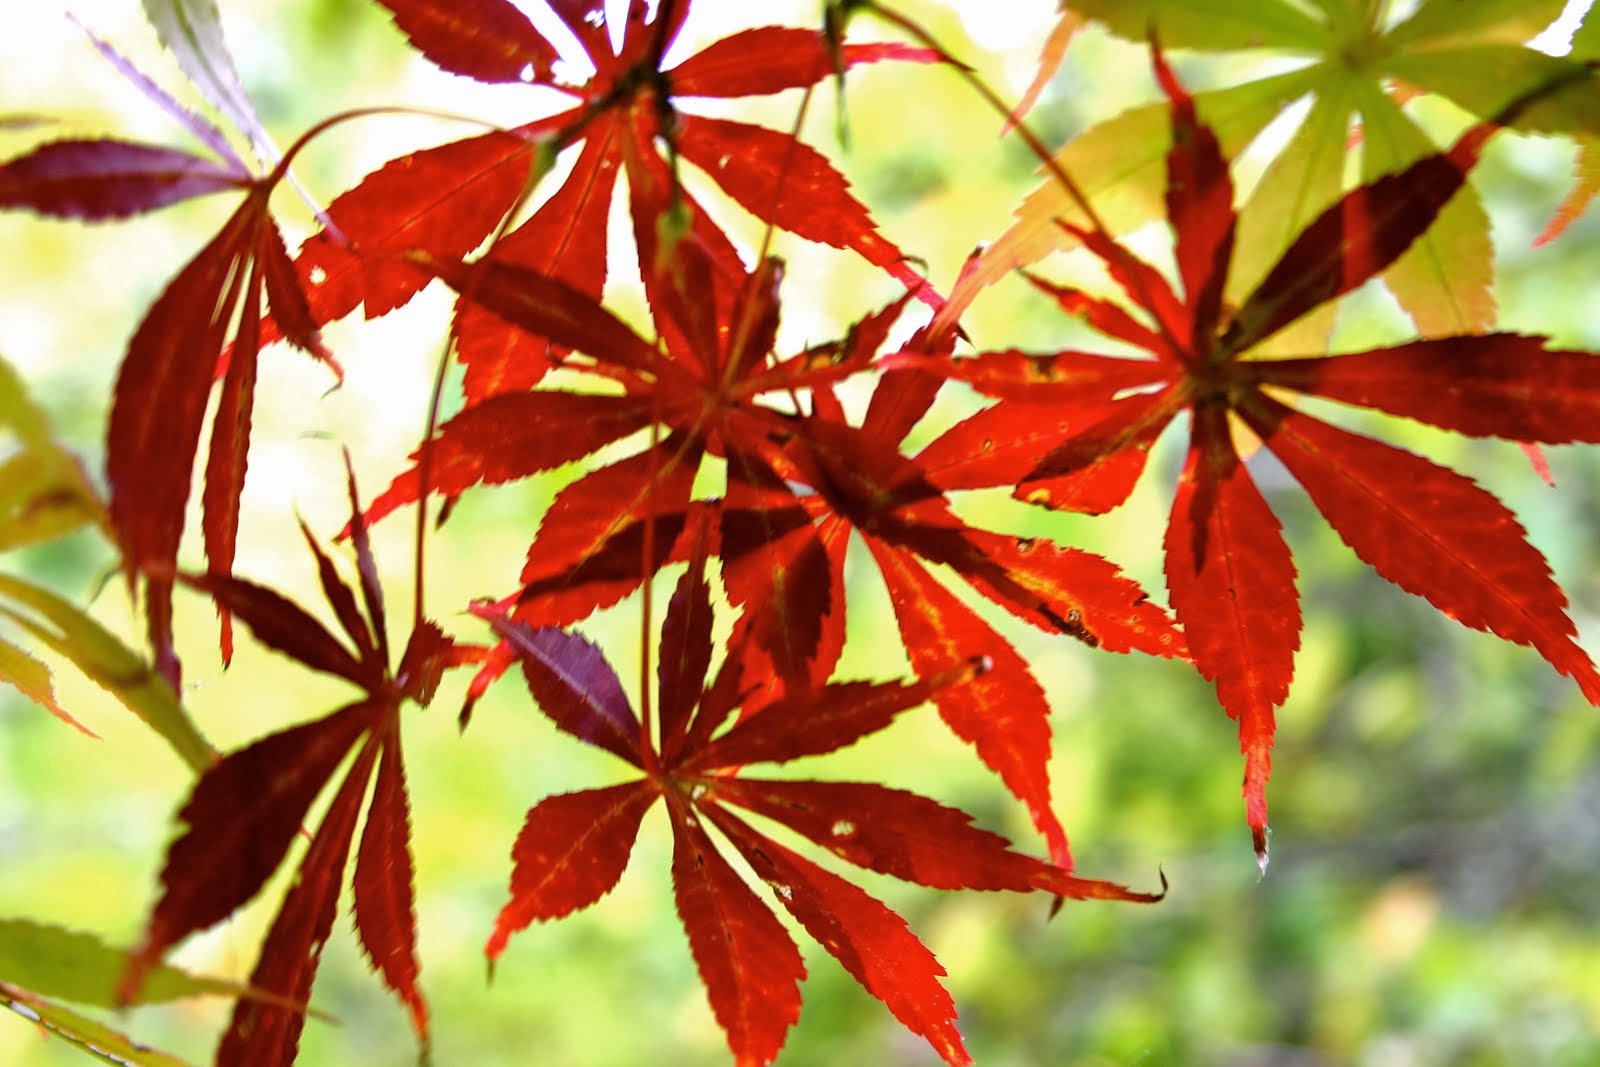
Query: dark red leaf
385, 898
1354, 240
284, 626
1062, 378
341, 599
290, 308
778, 568
544, 307
240, 819
822, 720
1199, 204
267, 1035
685, 655
1496, 385
888, 830
229, 448
426, 656
158, 408
366, 568
572, 850
590, 544
1431, 532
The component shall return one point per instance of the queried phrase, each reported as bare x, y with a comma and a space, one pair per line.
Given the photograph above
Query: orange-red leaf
1002, 713
750, 966
1431, 532
871, 941
1231, 579
572, 850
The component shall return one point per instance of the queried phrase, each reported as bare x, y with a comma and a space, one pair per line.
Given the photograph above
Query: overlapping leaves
166, 378
246, 810
1084, 423
574, 847
1362, 64
446, 200
796, 488
709, 394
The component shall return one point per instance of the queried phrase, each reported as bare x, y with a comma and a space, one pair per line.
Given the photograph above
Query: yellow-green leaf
107, 662
1301, 182
1120, 165
1440, 23
1485, 79
44, 492
1445, 280
91, 1037
70, 965
32, 680
1208, 24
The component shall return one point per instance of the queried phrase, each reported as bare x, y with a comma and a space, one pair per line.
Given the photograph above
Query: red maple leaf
246, 810
797, 487
176, 355
446, 200
574, 847
784, 558
711, 388
1081, 424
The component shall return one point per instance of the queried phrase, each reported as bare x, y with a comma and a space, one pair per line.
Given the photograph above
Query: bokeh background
1434, 893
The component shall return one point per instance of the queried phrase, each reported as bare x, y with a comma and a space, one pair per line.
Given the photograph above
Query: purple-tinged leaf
575, 686
109, 179
192, 31
205, 131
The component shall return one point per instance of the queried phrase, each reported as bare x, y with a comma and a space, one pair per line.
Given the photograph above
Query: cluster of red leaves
707, 387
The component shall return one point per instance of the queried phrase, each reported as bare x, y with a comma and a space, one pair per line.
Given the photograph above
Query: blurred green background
1434, 894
